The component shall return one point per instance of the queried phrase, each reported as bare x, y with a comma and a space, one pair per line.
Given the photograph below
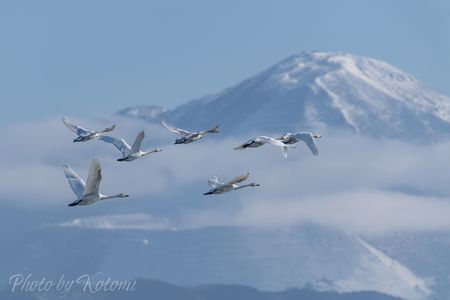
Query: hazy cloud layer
356, 184
124, 221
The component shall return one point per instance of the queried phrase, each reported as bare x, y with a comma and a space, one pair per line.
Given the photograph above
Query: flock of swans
88, 192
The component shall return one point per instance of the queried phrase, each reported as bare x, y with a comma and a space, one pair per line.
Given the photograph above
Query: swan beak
208, 193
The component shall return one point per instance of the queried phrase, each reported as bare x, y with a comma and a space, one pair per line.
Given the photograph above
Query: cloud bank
356, 184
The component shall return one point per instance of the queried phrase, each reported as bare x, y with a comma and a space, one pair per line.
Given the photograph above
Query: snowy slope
380, 272
323, 91
426, 254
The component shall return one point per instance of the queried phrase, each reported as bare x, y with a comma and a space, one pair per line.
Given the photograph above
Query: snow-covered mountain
307, 256
320, 91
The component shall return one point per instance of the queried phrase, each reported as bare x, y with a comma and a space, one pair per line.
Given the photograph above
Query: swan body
218, 187
262, 140
85, 135
88, 193
129, 153
307, 137
189, 137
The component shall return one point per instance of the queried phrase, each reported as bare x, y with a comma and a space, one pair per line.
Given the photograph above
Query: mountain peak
324, 91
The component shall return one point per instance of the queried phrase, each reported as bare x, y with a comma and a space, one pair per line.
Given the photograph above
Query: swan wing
76, 183
94, 178
75, 128
308, 138
136, 147
214, 181
178, 131
244, 145
120, 144
275, 142
285, 137
238, 179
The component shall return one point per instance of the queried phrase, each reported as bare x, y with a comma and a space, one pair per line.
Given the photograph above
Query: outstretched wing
246, 145
308, 138
238, 179
138, 142
75, 128
275, 142
178, 131
76, 183
214, 181
94, 178
120, 144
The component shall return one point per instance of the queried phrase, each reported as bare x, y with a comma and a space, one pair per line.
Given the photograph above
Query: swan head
157, 150
254, 184
123, 195
78, 139
317, 136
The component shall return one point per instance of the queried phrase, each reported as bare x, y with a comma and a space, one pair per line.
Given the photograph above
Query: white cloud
356, 184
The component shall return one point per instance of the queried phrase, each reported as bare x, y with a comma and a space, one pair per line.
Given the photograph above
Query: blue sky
88, 58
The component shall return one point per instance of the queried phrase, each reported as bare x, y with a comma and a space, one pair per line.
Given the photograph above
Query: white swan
189, 137
220, 187
87, 193
84, 134
129, 153
307, 137
261, 140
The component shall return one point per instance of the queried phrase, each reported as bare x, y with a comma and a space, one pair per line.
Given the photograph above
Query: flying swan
189, 137
129, 153
307, 137
218, 187
87, 193
261, 140
84, 134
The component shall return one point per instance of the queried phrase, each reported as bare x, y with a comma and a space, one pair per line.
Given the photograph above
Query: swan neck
243, 186
103, 197
149, 152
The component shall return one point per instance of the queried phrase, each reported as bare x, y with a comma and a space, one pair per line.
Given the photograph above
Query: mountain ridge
160, 290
